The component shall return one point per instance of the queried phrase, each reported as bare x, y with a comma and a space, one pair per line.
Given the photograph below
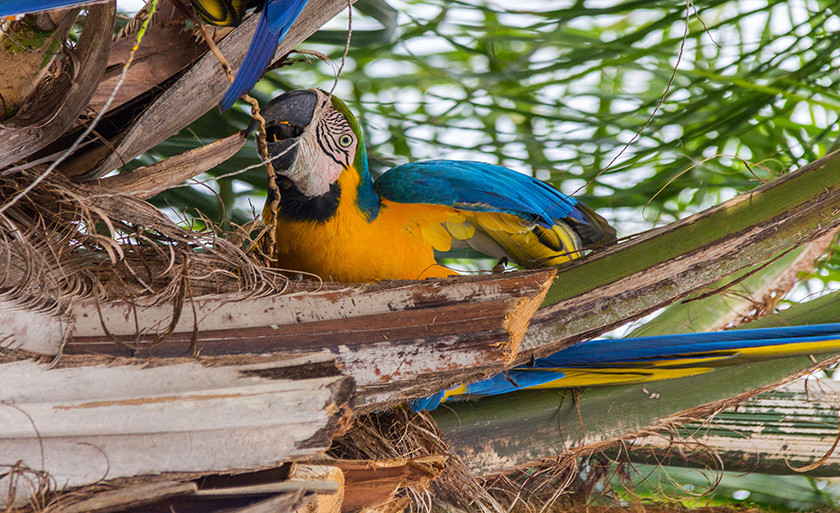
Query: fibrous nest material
400, 433
61, 241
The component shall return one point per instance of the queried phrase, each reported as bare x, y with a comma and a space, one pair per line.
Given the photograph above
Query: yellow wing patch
437, 236
429, 221
461, 231
526, 243
498, 222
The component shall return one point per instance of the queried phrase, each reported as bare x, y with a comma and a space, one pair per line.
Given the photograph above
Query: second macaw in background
275, 20
335, 222
642, 359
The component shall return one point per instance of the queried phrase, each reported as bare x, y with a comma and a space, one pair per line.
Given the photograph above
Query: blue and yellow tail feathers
642, 359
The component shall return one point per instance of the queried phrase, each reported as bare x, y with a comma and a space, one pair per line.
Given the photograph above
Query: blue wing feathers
477, 186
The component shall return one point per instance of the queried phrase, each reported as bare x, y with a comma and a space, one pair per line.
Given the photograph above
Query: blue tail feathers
11, 7
275, 20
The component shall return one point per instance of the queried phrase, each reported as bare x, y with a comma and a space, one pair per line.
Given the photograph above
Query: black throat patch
296, 206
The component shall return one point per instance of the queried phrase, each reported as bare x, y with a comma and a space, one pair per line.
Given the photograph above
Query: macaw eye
345, 140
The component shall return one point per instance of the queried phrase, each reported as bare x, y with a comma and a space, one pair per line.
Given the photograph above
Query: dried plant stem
262, 144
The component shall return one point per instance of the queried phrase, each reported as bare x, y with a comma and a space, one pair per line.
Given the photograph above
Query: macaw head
313, 139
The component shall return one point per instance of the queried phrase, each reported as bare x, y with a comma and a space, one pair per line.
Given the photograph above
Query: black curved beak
286, 118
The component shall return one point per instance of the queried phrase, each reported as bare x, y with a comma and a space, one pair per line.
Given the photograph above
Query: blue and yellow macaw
276, 19
643, 359
335, 222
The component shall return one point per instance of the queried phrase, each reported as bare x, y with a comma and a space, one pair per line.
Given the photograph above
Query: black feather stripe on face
330, 128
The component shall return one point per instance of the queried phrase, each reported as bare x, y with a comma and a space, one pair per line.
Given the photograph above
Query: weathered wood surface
291, 485
305, 489
286, 503
85, 424
790, 430
31, 330
130, 497
396, 340
336, 485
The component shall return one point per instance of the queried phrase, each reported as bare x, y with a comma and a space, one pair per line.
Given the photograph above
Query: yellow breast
397, 244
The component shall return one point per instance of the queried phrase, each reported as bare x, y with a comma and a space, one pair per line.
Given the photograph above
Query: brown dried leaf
27, 133
168, 46
147, 181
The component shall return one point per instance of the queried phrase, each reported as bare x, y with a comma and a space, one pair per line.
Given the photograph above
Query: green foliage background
647, 110
714, 97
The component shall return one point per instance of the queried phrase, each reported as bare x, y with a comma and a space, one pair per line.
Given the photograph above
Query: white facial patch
319, 163
312, 171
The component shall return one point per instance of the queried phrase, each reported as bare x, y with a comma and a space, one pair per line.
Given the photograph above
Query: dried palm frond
62, 241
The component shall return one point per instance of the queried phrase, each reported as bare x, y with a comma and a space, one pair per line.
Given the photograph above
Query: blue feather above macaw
275, 21
642, 359
335, 222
